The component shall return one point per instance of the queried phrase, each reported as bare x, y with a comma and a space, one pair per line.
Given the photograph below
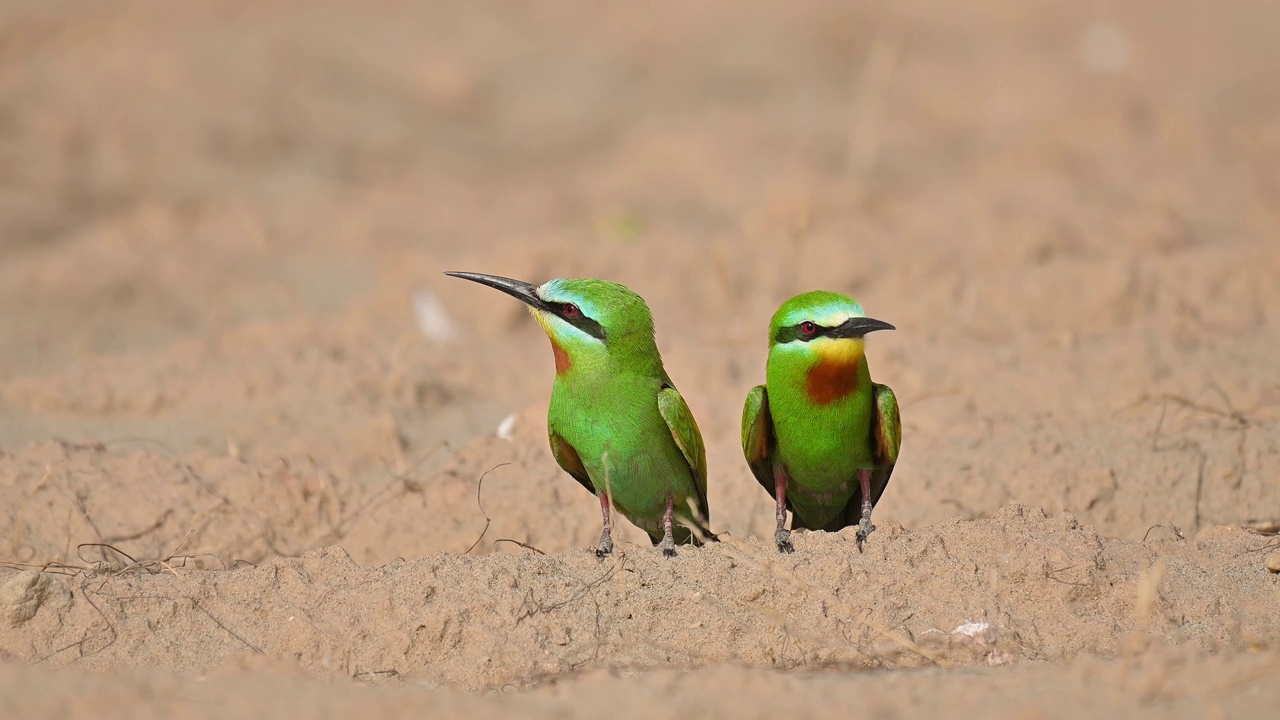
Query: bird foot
783, 540
865, 528
668, 547
605, 547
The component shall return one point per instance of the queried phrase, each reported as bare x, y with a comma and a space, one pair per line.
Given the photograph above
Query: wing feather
886, 431
567, 457
757, 436
886, 439
684, 430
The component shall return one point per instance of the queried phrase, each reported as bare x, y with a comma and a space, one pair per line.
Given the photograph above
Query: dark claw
783, 540
865, 528
668, 547
605, 547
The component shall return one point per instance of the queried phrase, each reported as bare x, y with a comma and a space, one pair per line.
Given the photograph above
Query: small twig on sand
487, 519
526, 546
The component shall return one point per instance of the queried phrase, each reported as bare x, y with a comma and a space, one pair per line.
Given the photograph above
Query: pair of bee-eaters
819, 435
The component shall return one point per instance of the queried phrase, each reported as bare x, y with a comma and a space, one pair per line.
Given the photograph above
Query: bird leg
865, 527
783, 536
606, 538
668, 543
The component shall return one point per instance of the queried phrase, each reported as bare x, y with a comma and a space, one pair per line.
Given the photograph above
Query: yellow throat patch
835, 375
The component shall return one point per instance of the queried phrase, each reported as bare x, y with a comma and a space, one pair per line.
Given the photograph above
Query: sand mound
1016, 587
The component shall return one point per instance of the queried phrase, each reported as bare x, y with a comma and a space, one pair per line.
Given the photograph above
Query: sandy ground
244, 418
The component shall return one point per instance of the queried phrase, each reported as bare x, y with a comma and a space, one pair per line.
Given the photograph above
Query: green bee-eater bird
616, 422
819, 435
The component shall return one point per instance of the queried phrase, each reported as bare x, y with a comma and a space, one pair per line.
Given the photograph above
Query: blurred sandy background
228, 353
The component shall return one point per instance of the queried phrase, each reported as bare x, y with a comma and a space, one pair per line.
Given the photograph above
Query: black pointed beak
518, 289
856, 327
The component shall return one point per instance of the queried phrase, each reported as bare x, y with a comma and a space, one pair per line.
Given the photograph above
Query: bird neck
564, 362
590, 362
824, 371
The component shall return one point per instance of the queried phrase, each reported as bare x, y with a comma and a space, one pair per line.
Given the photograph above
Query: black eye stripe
854, 327
795, 332
580, 320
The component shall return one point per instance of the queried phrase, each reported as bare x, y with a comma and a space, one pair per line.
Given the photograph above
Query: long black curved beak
518, 289
856, 327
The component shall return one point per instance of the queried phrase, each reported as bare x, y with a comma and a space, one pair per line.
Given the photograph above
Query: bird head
591, 323
822, 325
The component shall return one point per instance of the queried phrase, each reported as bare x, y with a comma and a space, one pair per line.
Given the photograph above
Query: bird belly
821, 450
815, 509
635, 457
639, 482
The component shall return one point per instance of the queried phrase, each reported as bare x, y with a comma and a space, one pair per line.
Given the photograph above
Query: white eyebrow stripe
826, 314
832, 319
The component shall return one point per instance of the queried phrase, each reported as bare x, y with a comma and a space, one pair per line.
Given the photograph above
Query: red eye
570, 310
808, 328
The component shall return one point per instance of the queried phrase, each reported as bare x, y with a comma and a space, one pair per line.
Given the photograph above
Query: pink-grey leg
606, 538
668, 543
783, 536
865, 527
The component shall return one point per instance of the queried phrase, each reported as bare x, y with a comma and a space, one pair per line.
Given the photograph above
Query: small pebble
432, 319
1273, 562
507, 428
22, 595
